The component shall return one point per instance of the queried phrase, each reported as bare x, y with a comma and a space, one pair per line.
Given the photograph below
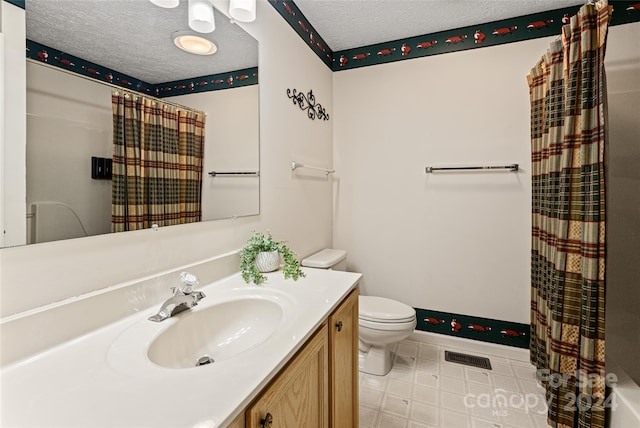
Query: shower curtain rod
116, 87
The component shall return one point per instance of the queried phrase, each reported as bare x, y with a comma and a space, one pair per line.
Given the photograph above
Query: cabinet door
238, 422
343, 363
299, 397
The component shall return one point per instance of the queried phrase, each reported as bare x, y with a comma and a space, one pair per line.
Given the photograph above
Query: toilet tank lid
325, 259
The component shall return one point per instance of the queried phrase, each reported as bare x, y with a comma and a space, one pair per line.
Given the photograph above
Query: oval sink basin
219, 332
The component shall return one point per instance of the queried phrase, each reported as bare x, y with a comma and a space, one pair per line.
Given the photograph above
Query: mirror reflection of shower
69, 118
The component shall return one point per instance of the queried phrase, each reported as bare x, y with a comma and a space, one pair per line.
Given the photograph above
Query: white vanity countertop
90, 382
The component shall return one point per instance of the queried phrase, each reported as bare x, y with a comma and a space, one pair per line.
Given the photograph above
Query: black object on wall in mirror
101, 168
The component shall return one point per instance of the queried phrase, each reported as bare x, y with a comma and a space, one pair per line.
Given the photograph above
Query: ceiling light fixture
243, 10
201, 16
167, 4
192, 43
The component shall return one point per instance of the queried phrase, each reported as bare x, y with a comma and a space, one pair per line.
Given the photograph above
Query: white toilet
383, 322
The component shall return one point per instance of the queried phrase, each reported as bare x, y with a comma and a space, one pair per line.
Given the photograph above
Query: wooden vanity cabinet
299, 396
318, 388
343, 363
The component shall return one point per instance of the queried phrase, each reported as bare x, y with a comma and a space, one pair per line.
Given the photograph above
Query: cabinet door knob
267, 421
339, 325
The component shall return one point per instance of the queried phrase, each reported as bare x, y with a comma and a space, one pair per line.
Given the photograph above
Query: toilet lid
381, 309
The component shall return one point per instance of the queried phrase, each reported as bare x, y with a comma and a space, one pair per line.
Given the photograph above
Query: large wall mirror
69, 116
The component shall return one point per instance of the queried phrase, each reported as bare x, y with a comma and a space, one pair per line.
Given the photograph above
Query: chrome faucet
183, 298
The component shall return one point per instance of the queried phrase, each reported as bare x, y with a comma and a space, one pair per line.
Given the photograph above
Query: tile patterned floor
422, 390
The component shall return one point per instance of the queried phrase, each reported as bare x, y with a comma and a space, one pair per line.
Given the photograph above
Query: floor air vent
468, 360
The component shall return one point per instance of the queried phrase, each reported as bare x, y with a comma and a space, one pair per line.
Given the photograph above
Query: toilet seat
388, 326
380, 310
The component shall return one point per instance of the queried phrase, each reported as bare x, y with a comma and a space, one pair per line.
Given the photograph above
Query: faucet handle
188, 280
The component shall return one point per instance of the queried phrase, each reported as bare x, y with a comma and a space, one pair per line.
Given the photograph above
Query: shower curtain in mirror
568, 112
157, 163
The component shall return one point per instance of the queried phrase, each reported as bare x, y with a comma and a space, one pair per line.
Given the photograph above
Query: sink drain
202, 361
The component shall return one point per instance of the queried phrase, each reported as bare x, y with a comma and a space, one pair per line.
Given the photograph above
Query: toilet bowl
382, 322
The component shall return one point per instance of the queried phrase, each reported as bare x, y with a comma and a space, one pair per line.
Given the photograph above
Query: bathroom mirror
69, 117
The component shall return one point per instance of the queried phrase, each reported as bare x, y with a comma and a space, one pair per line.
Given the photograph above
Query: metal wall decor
308, 103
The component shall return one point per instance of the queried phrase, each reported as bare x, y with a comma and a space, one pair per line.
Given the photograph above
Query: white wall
69, 120
293, 208
449, 242
231, 144
623, 198
453, 242
13, 192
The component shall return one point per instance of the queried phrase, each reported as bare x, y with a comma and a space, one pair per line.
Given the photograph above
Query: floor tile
399, 388
453, 402
477, 389
402, 373
481, 423
449, 384
501, 368
370, 397
452, 370
517, 418
526, 373
425, 394
478, 376
530, 387
395, 405
505, 382
427, 365
429, 352
368, 417
451, 419
378, 383
413, 424
427, 379
422, 390
408, 348
424, 414
405, 361
391, 421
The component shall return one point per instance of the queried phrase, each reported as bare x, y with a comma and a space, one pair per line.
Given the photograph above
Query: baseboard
471, 346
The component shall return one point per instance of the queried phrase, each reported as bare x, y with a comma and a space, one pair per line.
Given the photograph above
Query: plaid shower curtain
568, 112
157, 163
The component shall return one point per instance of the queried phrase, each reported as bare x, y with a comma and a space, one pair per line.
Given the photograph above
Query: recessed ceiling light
194, 44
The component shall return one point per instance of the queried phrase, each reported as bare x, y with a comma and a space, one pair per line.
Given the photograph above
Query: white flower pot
267, 261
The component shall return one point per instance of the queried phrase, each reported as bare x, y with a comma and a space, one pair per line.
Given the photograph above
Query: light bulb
201, 17
243, 10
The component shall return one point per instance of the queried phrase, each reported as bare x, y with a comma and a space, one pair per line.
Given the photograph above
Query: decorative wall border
526, 27
20, 3
213, 82
301, 25
476, 328
65, 61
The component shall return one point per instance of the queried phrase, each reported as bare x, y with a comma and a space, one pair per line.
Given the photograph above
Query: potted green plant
262, 254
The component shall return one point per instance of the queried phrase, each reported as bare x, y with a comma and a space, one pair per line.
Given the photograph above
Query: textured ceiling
346, 24
134, 37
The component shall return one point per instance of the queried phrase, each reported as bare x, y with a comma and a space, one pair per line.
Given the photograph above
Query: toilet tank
327, 259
